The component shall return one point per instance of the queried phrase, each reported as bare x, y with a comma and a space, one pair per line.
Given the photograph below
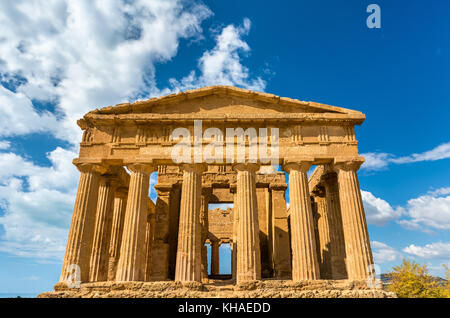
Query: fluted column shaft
215, 258
357, 245
132, 250
79, 243
100, 246
119, 206
204, 210
248, 257
149, 241
337, 242
235, 234
188, 264
305, 265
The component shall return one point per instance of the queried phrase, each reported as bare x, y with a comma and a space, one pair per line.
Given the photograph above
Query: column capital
141, 167
252, 167
348, 164
92, 167
194, 167
302, 166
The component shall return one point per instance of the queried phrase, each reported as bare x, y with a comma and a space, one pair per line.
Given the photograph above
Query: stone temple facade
121, 244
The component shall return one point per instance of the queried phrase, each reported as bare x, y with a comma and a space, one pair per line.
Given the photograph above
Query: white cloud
78, 55
222, 65
85, 54
375, 161
17, 115
427, 212
37, 203
437, 250
378, 211
438, 153
380, 160
382, 253
4, 145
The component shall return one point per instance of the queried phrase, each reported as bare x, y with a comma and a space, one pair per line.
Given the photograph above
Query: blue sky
63, 59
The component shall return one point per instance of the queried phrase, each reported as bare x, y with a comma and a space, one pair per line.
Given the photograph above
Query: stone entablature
118, 234
143, 129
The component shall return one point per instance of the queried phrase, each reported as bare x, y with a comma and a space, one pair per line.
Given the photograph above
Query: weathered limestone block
215, 258
323, 231
119, 205
150, 228
281, 253
204, 222
160, 259
337, 242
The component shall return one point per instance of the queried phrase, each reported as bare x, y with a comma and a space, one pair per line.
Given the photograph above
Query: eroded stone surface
121, 244
221, 289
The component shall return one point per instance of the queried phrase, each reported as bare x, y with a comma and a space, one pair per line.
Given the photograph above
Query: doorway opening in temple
219, 239
225, 260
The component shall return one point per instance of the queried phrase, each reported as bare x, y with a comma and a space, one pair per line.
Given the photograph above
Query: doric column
304, 257
132, 250
323, 231
206, 192
161, 250
357, 245
188, 264
248, 257
215, 258
337, 242
281, 254
234, 248
102, 231
79, 243
120, 199
149, 230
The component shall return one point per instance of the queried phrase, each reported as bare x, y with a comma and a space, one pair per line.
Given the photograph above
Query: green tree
412, 280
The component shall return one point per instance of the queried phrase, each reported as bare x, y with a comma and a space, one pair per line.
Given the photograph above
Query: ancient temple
118, 234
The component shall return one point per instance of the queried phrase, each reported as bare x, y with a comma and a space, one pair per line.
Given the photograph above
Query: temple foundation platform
222, 289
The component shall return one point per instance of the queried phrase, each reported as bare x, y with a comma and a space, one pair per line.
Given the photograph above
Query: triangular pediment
217, 100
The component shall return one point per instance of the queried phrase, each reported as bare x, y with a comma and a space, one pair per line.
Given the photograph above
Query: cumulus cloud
381, 160
383, 253
222, 65
428, 212
18, 116
378, 211
437, 250
37, 203
4, 145
65, 58
84, 54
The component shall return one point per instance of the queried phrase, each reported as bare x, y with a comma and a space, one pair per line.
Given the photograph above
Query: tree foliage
412, 280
